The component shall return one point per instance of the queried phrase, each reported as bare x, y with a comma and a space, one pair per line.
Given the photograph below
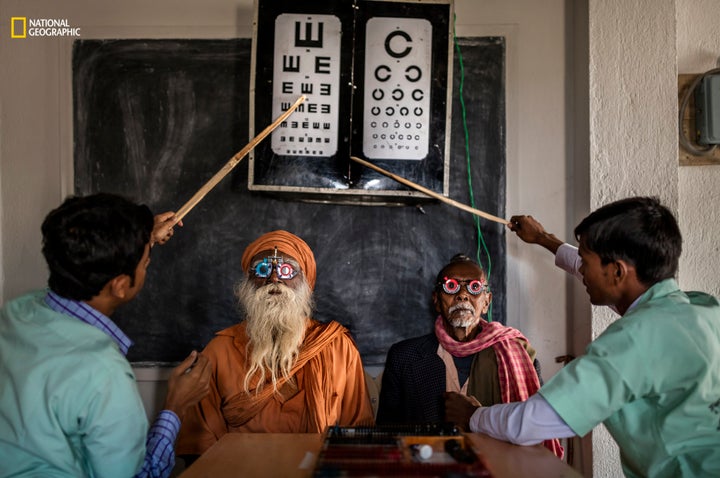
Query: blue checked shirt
159, 446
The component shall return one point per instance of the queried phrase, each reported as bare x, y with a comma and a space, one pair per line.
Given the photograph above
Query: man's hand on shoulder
459, 408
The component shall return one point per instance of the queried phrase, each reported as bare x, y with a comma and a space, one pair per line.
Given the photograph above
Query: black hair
637, 230
87, 241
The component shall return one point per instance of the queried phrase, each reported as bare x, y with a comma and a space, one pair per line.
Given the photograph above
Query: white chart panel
306, 61
398, 57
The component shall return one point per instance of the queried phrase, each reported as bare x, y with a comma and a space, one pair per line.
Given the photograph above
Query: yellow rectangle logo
16, 32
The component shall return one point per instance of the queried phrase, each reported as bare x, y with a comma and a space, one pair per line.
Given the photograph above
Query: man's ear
119, 286
621, 270
436, 302
488, 301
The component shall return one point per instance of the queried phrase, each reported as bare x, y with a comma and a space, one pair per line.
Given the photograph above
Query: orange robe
329, 389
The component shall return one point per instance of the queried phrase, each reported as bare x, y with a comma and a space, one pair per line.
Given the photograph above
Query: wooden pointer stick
422, 189
233, 162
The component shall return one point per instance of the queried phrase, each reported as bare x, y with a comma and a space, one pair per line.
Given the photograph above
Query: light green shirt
653, 379
69, 403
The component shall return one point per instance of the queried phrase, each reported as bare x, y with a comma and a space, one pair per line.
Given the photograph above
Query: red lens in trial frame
452, 286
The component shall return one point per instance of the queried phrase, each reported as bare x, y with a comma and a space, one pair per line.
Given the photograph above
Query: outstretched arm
523, 423
531, 231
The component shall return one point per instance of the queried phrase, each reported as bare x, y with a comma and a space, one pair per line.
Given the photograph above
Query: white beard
464, 319
275, 326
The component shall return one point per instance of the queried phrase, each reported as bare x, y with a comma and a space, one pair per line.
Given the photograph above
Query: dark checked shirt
160, 453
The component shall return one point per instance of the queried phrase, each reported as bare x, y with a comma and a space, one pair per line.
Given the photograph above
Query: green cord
481, 246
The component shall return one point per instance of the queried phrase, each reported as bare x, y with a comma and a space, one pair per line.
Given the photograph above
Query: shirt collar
82, 311
634, 303
658, 289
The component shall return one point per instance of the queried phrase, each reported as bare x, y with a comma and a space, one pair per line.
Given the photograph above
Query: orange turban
287, 243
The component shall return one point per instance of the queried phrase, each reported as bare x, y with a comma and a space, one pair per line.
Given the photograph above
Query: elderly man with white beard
279, 370
465, 354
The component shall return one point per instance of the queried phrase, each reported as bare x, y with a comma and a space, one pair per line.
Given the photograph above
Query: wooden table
291, 455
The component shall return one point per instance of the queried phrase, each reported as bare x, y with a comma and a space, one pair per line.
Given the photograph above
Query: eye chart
306, 62
398, 54
377, 76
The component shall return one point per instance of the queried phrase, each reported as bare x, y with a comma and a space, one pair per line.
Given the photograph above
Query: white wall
633, 131
698, 50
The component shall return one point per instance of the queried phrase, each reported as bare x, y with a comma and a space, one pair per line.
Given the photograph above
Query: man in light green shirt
69, 404
59, 393
653, 377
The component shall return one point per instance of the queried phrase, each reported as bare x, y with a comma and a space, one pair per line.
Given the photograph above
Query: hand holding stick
422, 189
197, 197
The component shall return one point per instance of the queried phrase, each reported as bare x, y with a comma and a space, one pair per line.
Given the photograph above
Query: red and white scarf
516, 372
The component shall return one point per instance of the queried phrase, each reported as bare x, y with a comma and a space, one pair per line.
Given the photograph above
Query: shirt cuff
159, 447
166, 424
523, 423
568, 259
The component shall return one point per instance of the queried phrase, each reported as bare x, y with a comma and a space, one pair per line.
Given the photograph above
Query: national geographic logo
23, 27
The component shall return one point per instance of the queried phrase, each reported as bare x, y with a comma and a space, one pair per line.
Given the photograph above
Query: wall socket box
707, 110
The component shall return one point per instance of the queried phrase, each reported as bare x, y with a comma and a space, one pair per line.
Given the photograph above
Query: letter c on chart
384, 77
418, 73
388, 46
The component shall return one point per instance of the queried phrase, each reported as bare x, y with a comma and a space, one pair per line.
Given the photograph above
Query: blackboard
155, 119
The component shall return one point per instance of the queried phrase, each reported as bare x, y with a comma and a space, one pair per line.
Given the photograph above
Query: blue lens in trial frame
284, 270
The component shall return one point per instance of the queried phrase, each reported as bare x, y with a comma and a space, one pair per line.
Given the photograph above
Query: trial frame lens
284, 270
451, 285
